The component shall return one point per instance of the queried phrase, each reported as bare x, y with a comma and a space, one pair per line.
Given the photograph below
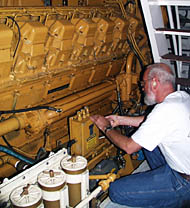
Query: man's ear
154, 83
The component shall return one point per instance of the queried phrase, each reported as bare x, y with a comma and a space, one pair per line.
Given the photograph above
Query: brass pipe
105, 183
99, 177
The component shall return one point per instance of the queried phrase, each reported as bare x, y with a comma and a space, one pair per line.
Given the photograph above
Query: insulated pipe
104, 185
15, 154
90, 197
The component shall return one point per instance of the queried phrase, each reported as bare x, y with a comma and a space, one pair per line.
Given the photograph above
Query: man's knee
117, 193
113, 192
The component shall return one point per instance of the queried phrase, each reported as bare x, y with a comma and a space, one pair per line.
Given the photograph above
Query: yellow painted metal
59, 43
84, 132
12, 124
101, 152
57, 2
35, 121
6, 35
129, 168
65, 57
22, 3
8, 159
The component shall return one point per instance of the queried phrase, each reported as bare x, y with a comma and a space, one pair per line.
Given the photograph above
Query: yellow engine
60, 62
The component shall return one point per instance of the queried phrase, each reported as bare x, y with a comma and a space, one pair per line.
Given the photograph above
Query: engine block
54, 61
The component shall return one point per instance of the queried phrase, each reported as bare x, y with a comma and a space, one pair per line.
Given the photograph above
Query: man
165, 138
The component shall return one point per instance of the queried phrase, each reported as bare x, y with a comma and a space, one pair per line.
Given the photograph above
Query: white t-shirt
168, 126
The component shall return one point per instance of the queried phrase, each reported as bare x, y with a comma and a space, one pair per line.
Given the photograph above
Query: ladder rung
169, 31
170, 2
176, 58
183, 81
184, 8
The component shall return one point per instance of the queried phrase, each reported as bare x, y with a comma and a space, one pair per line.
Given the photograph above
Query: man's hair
163, 72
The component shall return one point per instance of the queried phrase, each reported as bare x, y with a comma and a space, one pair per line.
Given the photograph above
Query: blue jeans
157, 188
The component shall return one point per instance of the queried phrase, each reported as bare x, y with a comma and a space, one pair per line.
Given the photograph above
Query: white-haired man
164, 137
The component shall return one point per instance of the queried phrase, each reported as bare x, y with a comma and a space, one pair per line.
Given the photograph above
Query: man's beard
150, 99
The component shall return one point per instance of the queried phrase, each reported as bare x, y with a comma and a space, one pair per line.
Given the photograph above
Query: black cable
137, 55
7, 143
46, 133
47, 3
19, 34
121, 113
129, 2
31, 109
69, 145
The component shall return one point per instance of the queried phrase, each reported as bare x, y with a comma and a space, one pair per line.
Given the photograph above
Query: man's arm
123, 142
116, 120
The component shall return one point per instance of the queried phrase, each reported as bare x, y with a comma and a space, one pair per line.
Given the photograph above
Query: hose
136, 53
17, 155
31, 109
7, 143
19, 34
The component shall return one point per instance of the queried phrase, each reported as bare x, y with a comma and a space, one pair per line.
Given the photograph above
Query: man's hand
114, 120
100, 121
